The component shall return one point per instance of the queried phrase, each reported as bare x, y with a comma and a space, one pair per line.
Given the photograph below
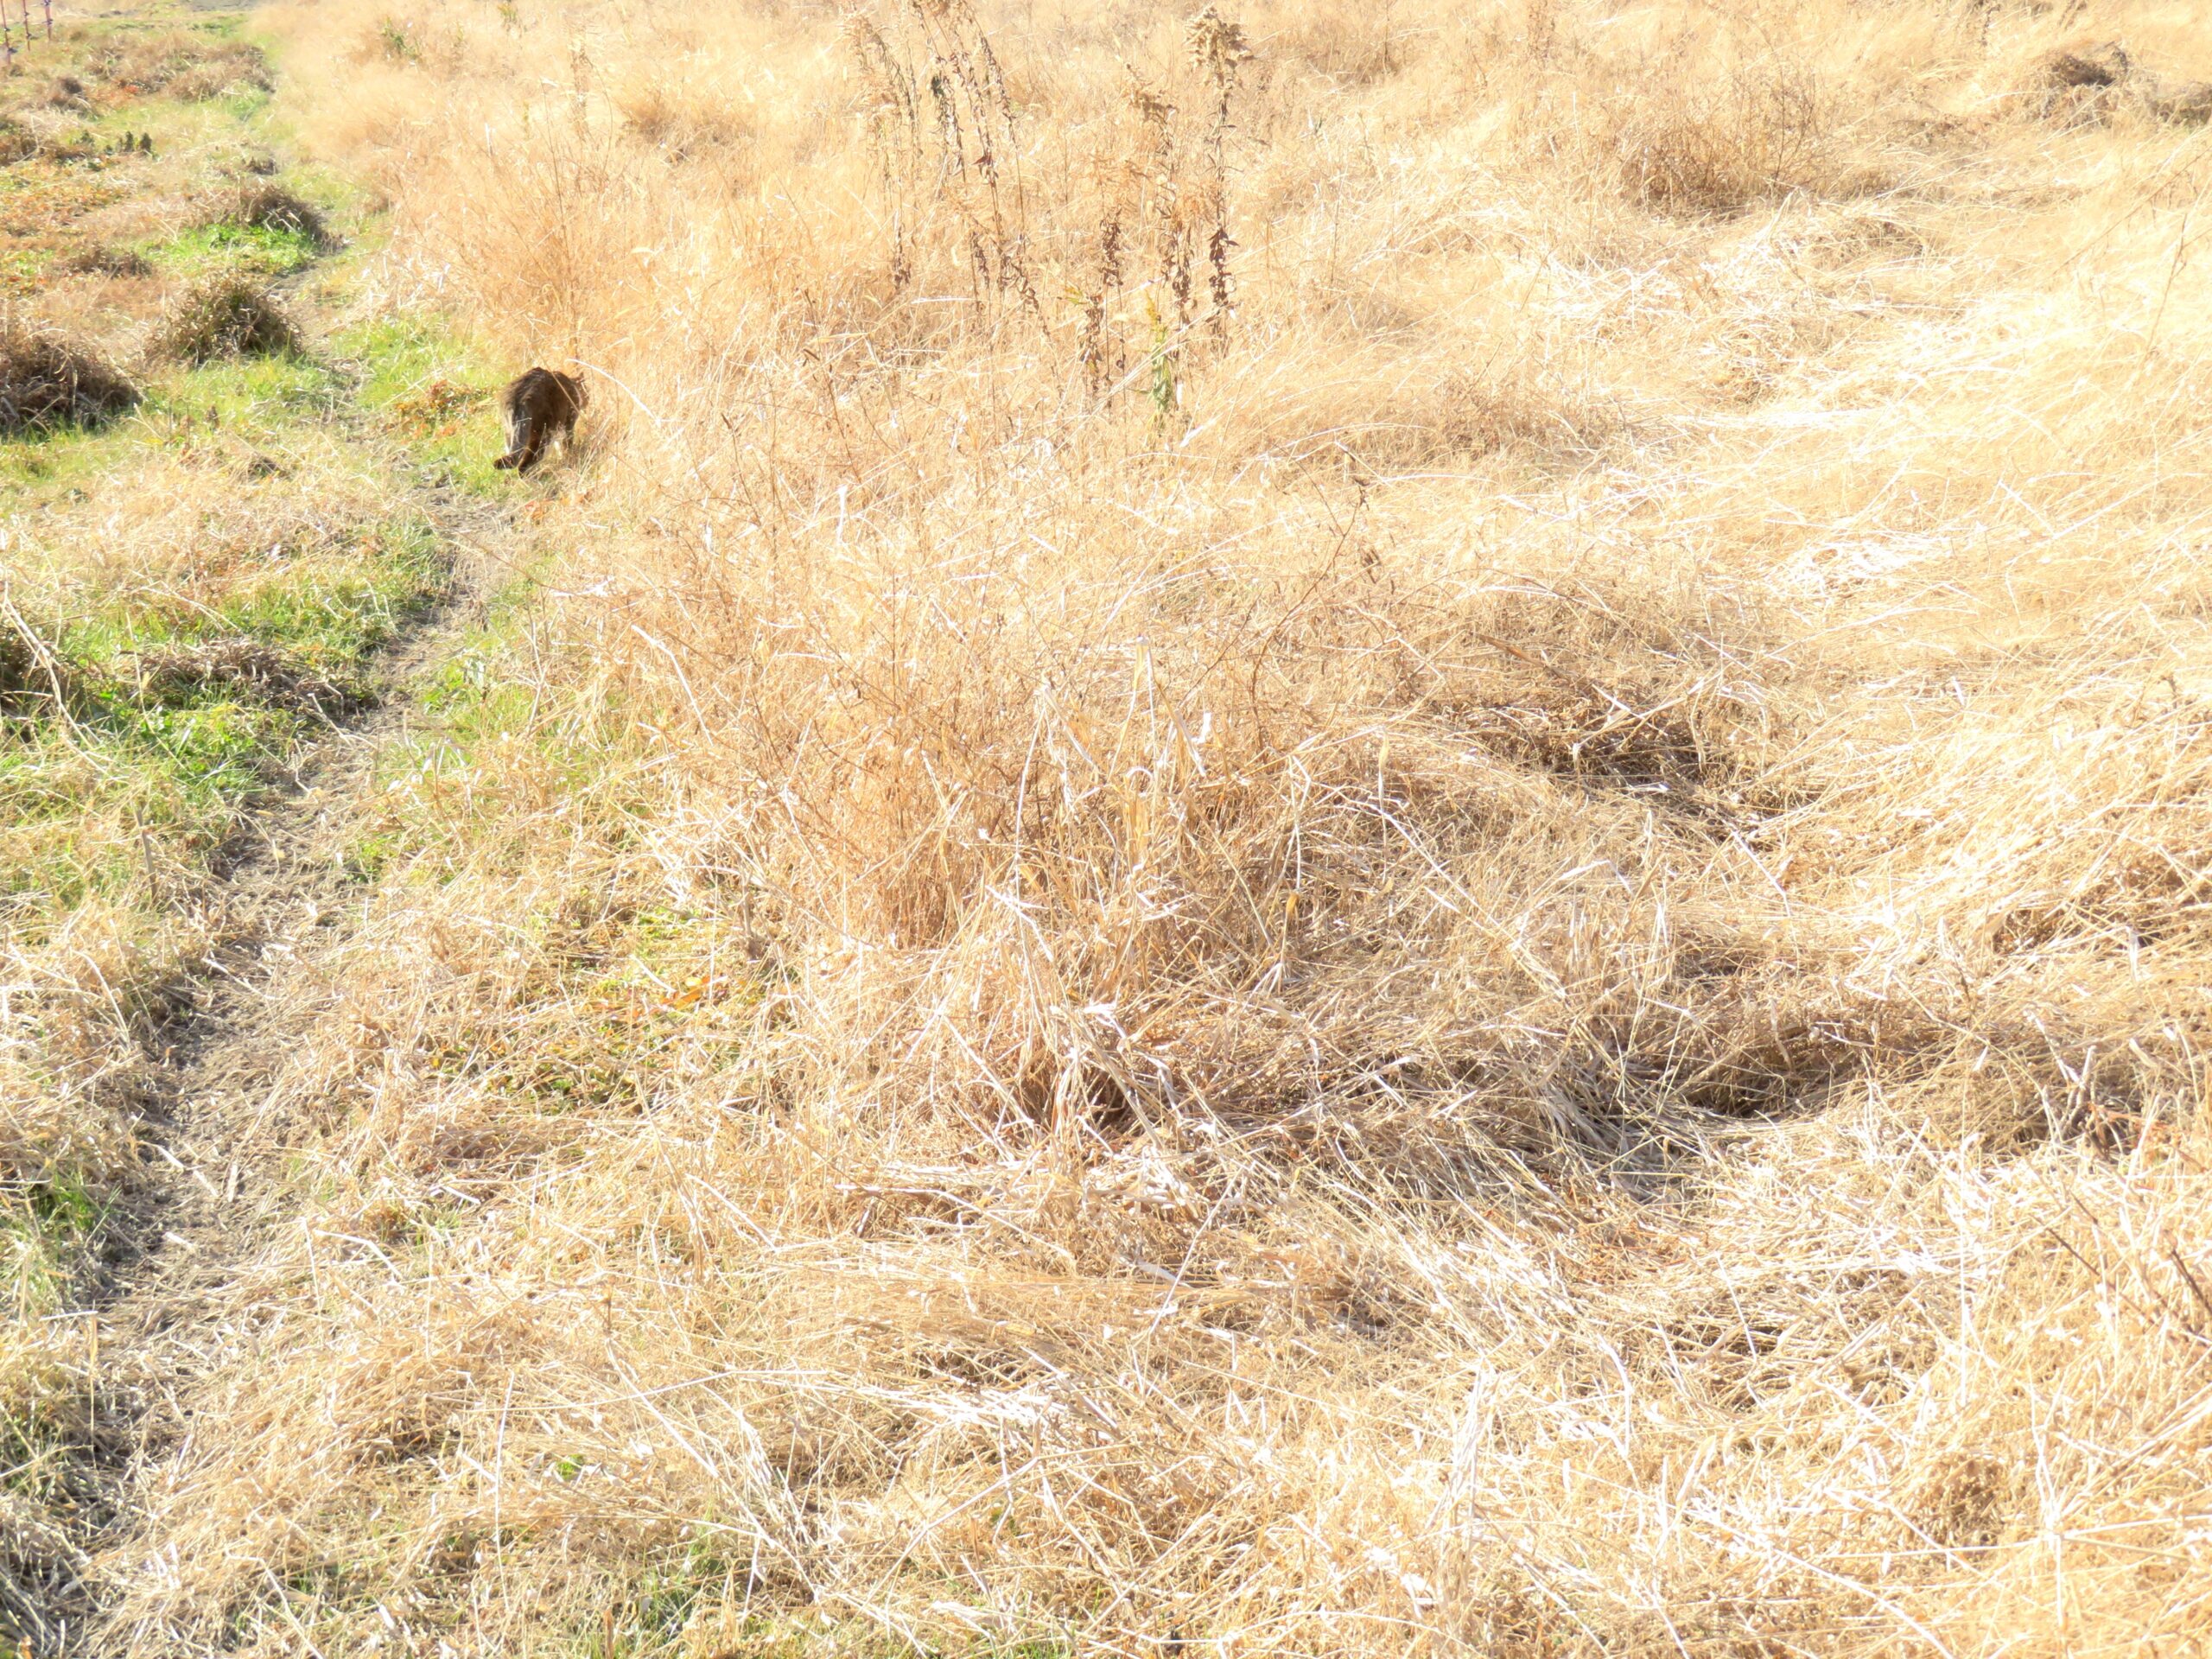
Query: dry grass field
1322, 830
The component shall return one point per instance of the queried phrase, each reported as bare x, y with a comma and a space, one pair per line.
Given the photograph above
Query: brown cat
539, 403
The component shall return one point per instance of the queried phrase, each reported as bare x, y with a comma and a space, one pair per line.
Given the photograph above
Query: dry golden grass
1337, 829
178, 61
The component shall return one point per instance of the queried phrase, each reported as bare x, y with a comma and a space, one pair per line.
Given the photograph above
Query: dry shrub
1686, 142
1155, 283
223, 316
259, 205
46, 381
946, 130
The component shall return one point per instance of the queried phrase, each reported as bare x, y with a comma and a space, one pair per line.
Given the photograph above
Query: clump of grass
48, 380
680, 118
2104, 65
2087, 84
2185, 103
223, 316
105, 259
2081, 86
258, 204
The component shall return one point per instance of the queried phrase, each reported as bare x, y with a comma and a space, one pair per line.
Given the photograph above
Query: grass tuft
223, 316
1716, 145
47, 381
259, 205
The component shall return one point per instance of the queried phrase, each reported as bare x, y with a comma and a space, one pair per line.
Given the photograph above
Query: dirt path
190, 1180
277, 902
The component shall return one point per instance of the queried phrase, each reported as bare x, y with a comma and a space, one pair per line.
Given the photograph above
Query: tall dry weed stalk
1219, 51
944, 130
1164, 201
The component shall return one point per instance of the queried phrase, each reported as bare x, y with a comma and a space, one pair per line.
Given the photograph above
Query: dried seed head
1216, 45
857, 34
1148, 106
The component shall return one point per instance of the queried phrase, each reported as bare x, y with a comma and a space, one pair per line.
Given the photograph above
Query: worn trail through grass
221, 579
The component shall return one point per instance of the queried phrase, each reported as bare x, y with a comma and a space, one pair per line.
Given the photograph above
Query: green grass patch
245, 104
44, 1226
70, 456
162, 749
653, 1616
337, 623
327, 613
264, 399
433, 394
93, 807
21, 269
255, 249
